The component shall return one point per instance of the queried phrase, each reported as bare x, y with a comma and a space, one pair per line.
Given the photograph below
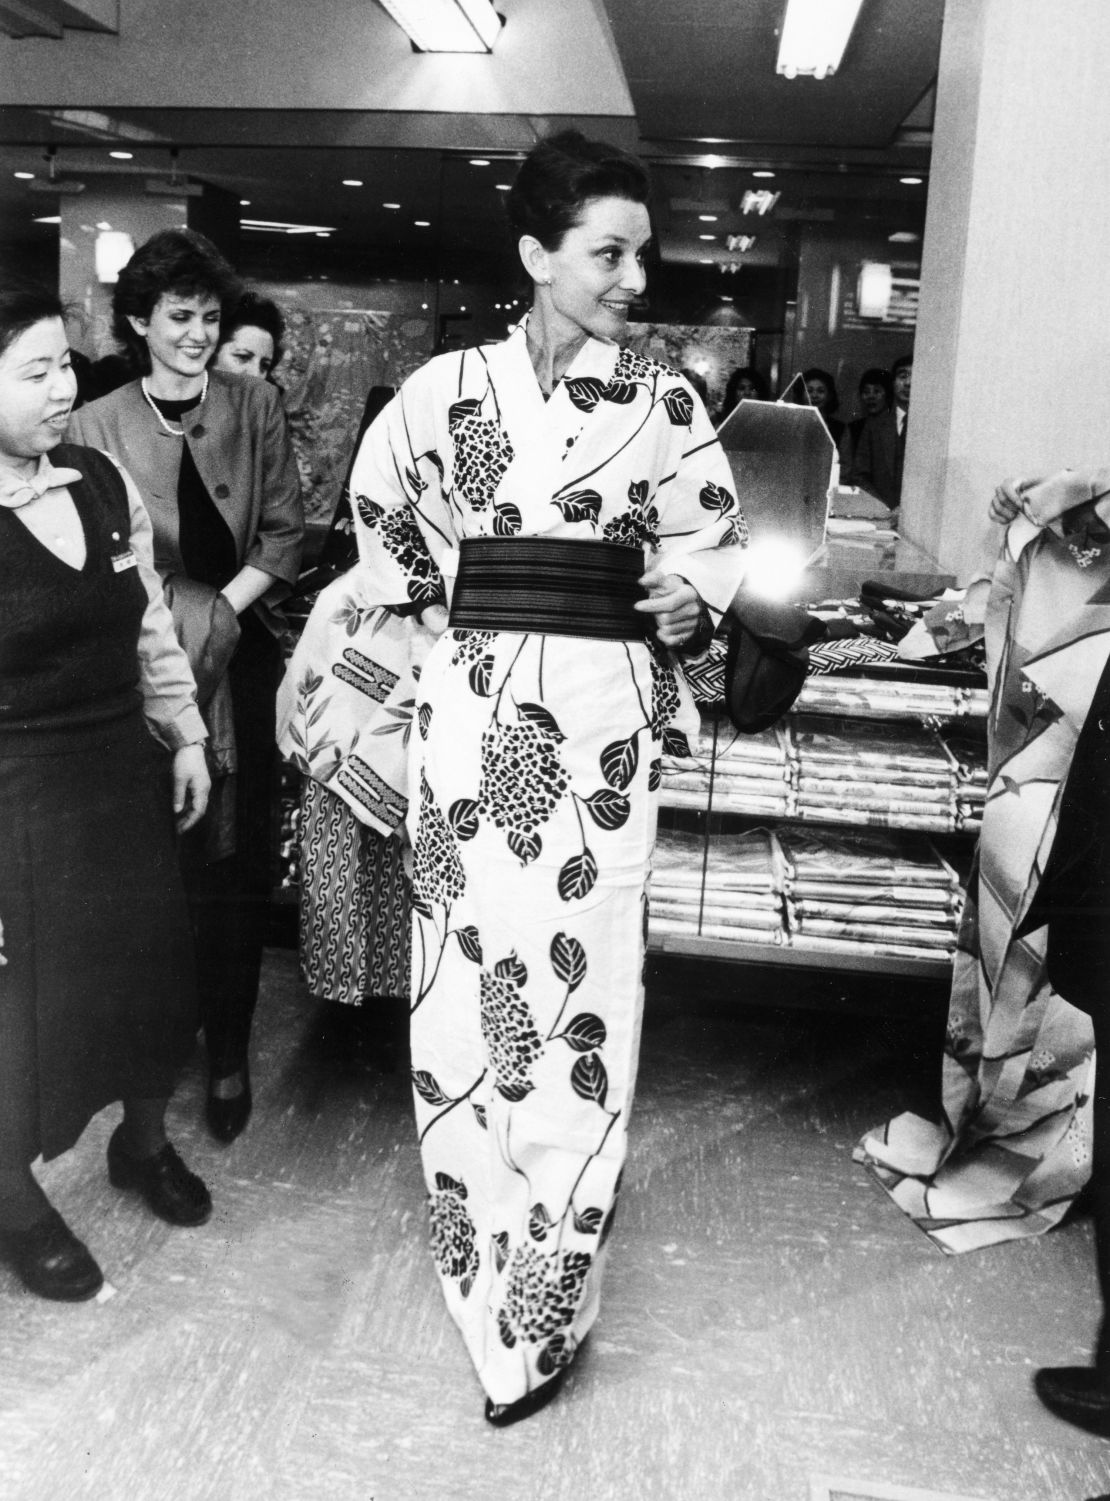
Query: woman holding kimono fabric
1013, 1147
539, 472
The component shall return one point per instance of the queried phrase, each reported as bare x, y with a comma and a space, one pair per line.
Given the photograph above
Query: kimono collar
537, 429
16, 491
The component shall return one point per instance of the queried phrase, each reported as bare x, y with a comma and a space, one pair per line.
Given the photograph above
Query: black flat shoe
174, 1193
227, 1114
1078, 1394
503, 1414
51, 1261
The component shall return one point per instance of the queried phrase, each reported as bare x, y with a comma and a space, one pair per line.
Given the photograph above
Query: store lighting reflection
775, 566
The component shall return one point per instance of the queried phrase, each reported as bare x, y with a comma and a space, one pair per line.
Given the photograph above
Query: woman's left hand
675, 604
191, 785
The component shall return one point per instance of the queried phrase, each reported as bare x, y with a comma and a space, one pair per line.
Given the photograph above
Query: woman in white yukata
570, 500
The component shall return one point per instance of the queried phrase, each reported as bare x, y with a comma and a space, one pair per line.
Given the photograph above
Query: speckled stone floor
769, 1317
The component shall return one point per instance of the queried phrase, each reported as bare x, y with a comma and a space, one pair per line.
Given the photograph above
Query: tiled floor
769, 1317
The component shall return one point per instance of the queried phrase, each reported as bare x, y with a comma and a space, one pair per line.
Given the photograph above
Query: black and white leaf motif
539, 1222
577, 877
568, 960
526, 847
582, 505
463, 818
424, 719
421, 905
446, 1184
585, 1032
514, 1093
544, 718
655, 776
511, 969
638, 492
481, 674
470, 942
679, 406
588, 1222
584, 391
506, 521
675, 743
426, 1087
480, 1115
555, 1355
588, 1078
716, 498
415, 482
500, 1249
458, 411
369, 510
620, 392
466, 1286
608, 809
436, 460
619, 761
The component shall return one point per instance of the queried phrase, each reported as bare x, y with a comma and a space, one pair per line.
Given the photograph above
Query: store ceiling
701, 80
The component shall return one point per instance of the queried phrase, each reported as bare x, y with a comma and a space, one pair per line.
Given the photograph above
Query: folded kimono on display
865, 793
811, 943
940, 919
734, 933
717, 740
933, 898
718, 914
881, 699
746, 862
864, 932
877, 818
871, 857
894, 749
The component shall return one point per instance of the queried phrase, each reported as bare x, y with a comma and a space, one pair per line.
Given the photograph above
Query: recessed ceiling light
903, 237
323, 234
707, 237
763, 174
708, 218
24, 176
352, 182
48, 219
244, 203
422, 223
479, 161
391, 205
712, 161
725, 297
121, 156
911, 182
706, 260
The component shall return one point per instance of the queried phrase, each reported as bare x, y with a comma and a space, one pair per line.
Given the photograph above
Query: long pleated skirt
97, 987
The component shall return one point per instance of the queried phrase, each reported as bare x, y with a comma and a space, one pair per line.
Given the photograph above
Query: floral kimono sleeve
401, 522
701, 528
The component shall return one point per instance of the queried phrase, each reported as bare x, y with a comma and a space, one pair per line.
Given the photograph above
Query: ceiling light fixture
447, 25
814, 36
873, 289
911, 182
352, 182
48, 219
282, 227
708, 218
903, 237
479, 161
24, 176
764, 173
122, 156
391, 205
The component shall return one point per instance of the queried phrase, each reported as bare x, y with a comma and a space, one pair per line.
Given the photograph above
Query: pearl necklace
174, 432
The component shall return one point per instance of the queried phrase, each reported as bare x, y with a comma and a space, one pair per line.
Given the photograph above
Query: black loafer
51, 1261
503, 1414
227, 1115
1078, 1394
174, 1193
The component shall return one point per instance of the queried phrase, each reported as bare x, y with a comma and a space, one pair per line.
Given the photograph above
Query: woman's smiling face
37, 390
181, 333
597, 272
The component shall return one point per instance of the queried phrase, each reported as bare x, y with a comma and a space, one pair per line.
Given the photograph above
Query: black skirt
97, 991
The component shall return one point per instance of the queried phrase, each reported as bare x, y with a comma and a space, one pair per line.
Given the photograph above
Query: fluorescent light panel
814, 36
447, 25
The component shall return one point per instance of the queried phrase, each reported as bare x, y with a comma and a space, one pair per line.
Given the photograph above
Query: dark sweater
69, 637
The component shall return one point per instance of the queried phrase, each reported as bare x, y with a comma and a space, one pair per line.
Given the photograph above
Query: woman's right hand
1006, 500
191, 786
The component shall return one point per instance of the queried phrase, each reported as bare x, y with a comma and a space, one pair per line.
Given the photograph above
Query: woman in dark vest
211, 456
100, 738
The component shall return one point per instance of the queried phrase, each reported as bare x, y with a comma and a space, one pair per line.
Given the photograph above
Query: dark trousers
229, 899
1074, 900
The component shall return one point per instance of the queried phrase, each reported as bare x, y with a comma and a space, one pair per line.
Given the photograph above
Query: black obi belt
555, 586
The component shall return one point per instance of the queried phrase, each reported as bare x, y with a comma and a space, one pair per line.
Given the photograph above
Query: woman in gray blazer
211, 456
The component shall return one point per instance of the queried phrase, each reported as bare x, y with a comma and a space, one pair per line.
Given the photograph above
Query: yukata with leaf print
533, 794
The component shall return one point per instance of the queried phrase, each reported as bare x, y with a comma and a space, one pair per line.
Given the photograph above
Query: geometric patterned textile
1013, 1146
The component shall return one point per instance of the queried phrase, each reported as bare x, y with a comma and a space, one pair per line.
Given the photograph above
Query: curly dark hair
255, 311
561, 174
174, 262
22, 305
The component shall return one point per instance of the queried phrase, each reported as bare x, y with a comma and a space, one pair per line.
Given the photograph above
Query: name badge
123, 561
